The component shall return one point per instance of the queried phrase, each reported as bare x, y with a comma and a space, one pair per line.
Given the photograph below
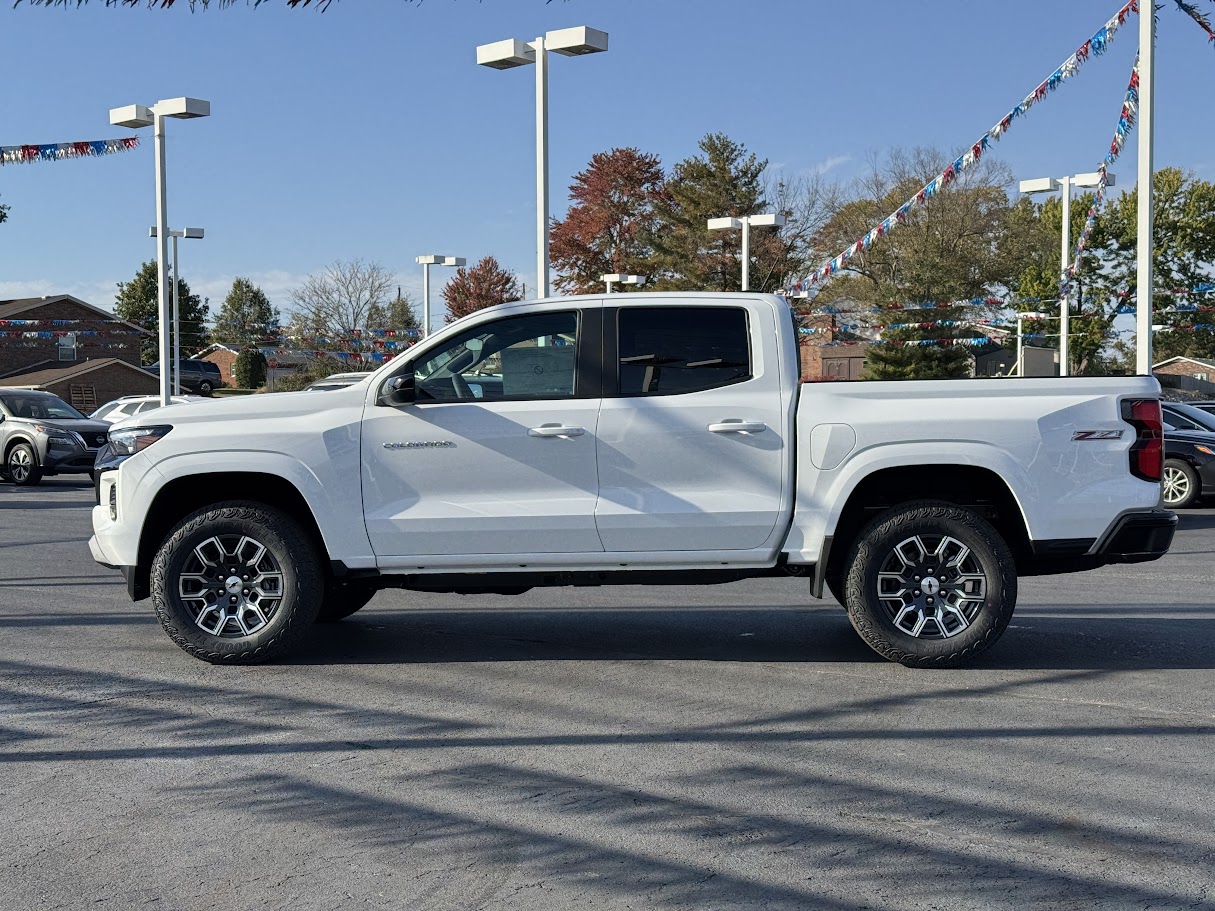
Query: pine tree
246, 316
136, 302
484, 285
398, 314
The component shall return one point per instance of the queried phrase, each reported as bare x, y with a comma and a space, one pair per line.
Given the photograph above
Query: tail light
1147, 452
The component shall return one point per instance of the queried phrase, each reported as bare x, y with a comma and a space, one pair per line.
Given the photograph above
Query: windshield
40, 406
1204, 420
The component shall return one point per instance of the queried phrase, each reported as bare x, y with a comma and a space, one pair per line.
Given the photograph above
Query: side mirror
398, 391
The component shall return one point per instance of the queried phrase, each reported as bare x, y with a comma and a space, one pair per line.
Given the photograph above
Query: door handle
555, 430
733, 425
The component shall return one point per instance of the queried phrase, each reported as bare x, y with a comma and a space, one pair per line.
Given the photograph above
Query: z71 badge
1097, 435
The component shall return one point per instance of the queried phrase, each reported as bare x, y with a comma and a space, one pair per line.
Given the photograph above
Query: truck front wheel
237, 583
930, 584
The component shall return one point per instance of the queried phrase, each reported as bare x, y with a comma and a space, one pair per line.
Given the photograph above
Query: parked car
637, 439
41, 434
1189, 454
196, 376
1187, 416
336, 381
129, 405
1208, 407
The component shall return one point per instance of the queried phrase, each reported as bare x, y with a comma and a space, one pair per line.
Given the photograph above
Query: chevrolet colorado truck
629, 439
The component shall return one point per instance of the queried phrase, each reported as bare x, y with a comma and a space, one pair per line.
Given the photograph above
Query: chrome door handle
555, 430
731, 425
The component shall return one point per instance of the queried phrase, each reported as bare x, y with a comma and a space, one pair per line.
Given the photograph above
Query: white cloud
828, 164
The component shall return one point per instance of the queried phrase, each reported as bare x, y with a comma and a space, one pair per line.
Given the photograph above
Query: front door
497, 453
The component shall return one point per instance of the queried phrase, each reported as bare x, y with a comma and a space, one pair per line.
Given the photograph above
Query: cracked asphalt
720, 747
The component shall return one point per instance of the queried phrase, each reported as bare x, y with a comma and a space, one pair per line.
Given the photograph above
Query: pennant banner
57, 151
1197, 15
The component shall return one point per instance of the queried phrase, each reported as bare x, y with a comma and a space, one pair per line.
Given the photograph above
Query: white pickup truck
629, 439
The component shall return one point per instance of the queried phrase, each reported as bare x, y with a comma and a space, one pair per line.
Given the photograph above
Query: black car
196, 376
1189, 455
41, 434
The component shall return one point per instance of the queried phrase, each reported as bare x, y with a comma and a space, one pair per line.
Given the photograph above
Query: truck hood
90, 430
248, 407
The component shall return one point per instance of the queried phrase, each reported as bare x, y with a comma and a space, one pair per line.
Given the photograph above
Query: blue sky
368, 131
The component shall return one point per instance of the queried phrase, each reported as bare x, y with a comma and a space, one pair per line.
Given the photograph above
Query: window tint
522, 357
670, 350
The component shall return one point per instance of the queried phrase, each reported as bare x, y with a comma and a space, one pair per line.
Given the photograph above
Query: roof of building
11, 309
216, 346
40, 378
1203, 361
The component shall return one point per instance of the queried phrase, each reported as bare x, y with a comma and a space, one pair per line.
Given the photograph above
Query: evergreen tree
398, 314
250, 368
246, 316
137, 302
484, 285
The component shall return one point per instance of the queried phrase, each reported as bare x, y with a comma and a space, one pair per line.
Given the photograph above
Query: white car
336, 381
630, 439
129, 405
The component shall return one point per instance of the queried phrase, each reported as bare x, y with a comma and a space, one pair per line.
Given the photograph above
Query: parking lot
718, 747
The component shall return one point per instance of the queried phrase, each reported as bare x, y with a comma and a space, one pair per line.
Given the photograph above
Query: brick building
40, 333
1199, 368
88, 384
223, 357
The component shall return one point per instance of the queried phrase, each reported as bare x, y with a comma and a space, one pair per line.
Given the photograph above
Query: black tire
343, 599
21, 465
292, 557
1180, 486
205, 387
944, 631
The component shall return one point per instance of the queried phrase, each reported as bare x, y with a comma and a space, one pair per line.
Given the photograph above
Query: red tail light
1147, 452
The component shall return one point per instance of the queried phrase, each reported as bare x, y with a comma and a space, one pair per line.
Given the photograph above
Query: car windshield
39, 405
1203, 419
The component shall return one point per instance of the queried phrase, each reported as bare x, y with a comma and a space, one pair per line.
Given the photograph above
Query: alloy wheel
931, 586
1176, 485
231, 584
19, 465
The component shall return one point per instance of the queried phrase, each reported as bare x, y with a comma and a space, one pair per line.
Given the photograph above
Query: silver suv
41, 434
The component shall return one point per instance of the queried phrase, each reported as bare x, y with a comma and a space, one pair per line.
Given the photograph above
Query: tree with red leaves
611, 222
484, 285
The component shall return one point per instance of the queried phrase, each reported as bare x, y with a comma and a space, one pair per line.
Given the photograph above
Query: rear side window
673, 350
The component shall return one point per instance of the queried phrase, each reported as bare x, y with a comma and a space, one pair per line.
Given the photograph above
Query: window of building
674, 350
67, 346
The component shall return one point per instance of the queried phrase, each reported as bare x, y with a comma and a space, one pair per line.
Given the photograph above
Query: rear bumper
1134, 537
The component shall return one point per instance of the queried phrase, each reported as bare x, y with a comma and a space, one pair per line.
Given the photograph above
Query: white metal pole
176, 325
162, 256
1147, 196
746, 252
1065, 302
541, 167
1020, 350
609, 286
425, 300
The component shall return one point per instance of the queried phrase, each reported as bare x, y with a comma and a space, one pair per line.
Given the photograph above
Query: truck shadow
1038, 638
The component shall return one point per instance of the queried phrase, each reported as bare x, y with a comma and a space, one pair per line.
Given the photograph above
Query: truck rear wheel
930, 584
236, 583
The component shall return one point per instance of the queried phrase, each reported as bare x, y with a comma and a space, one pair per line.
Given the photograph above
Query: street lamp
190, 233
612, 278
1050, 185
426, 262
135, 116
746, 222
505, 55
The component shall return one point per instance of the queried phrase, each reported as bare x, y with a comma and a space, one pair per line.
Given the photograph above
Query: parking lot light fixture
136, 116
426, 261
190, 233
510, 53
613, 278
746, 222
1044, 185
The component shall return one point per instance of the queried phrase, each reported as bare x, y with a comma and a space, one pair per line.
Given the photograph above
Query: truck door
497, 453
692, 449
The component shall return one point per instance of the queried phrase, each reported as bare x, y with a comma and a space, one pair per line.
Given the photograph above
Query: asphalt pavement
720, 747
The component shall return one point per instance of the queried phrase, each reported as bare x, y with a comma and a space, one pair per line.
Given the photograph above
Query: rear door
692, 448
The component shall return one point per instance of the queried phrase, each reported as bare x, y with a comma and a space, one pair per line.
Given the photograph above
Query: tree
944, 252
724, 180
136, 302
331, 303
610, 226
246, 316
486, 284
250, 368
398, 314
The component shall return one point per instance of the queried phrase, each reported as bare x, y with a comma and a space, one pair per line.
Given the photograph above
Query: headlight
61, 441
130, 440
1207, 449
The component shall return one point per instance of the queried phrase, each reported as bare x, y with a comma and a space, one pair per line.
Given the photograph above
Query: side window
521, 357
673, 350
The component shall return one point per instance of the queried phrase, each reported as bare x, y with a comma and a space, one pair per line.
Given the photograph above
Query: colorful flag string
57, 151
1197, 15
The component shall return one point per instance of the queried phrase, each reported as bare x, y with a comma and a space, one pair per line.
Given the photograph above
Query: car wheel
930, 584
205, 387
22, 466
343, 599
237, 583
1180, 485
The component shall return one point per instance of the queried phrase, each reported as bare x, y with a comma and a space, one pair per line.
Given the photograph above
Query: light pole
1021, 317
507, 54
1050, 185
426, 262
746, 222
613, 278
176, 367
135, 116
1147, 195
